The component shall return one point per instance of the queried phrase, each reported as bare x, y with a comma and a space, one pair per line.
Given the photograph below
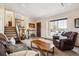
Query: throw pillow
12, 40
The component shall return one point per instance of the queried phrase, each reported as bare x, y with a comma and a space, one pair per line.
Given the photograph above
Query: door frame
40, 28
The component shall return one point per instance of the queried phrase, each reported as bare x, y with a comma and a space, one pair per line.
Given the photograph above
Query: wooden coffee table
43, 46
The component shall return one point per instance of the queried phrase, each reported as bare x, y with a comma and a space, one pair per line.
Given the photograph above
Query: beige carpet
65, 53
57, 52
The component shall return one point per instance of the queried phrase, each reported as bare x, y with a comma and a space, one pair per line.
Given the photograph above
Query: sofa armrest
55, 37
66, 41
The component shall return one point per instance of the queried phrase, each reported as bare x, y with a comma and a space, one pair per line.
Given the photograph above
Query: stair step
12, 36
9, 27
10, 32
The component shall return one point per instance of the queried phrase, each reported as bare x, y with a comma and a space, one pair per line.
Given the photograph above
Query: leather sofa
65, 44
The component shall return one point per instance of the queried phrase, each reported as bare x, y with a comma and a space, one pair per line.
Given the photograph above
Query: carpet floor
57, 52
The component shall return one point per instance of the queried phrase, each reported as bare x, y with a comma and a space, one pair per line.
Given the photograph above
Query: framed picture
31, 25
76, 22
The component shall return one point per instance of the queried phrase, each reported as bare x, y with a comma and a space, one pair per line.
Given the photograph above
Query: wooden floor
57, 52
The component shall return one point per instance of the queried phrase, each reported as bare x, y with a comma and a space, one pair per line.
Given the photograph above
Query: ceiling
34, 10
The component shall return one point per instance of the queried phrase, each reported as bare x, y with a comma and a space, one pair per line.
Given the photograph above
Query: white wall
1, 20
71, 15
9, 16
27, 21
26, 25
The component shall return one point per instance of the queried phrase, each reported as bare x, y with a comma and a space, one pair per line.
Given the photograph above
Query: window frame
54, 21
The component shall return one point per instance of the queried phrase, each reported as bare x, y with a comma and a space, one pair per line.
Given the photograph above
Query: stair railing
17, 31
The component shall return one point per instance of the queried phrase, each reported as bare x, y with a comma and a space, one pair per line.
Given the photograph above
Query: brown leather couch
65, 44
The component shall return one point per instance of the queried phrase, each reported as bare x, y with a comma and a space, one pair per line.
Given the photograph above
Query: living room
39, 24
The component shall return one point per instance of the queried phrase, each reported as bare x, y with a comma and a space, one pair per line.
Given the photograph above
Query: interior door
39, 29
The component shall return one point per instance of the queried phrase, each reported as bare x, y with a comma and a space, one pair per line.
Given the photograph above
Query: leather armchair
65, 44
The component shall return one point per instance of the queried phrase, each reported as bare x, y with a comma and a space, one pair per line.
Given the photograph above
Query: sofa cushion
3, 37
66, 34
73, 34
12, 40
18, 47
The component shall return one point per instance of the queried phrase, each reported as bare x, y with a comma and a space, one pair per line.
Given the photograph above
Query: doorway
38, 29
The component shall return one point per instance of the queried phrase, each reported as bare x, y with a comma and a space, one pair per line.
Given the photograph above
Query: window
62, 25
58, 25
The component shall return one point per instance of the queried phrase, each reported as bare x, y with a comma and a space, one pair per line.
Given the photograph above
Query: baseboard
47, 38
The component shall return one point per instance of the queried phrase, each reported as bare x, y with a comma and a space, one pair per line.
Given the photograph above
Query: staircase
10, 32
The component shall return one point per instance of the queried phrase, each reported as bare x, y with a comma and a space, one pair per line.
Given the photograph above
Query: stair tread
10, 31
10, 34
9, 27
